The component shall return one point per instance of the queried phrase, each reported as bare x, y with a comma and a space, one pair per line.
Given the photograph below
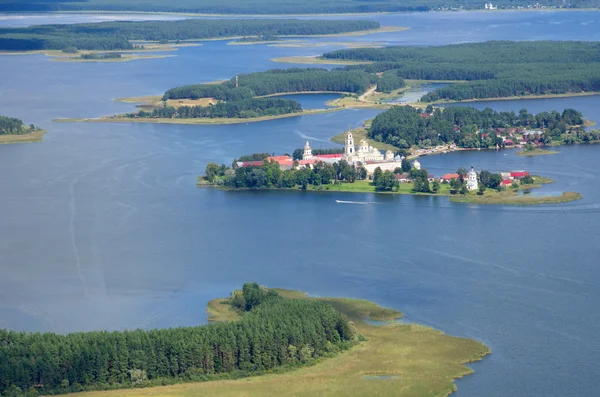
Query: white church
365, 155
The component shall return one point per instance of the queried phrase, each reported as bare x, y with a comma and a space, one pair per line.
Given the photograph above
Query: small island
13, 130
271, 337
366, 170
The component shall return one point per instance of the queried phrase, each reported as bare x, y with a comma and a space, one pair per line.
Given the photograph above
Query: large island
334, 346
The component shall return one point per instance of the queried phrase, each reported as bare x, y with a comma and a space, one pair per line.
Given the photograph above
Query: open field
36, 136
397, 359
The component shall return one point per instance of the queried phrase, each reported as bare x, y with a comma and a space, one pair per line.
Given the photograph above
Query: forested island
253, 332
104, 36
407, 127
274, 6
490, 69
261, 171
13, 130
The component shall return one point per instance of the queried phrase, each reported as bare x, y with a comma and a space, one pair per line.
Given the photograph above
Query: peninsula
299, 341
13, 130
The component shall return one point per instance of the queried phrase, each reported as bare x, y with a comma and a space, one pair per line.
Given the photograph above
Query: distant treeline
13, 126
245, 108
110, 55
116, 35
278, 81
492, 69
405, 126
267, 6
272, 332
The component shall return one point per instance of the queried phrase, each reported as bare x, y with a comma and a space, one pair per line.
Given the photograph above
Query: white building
307, 155
472, 180
416, 165
368, 156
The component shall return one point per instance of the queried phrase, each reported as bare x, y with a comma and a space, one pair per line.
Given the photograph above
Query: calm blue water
413, 94
101, 226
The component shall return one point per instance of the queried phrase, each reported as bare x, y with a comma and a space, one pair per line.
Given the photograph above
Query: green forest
491, 69
245, 108
14, 126
273, 332
117, 35
267, 6
405, 126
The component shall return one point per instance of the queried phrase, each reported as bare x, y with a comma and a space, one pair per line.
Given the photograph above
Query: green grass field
419, 362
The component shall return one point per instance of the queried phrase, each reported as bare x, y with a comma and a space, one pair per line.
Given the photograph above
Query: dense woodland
244, 108
491, 69
272, 332
13, 126
116, 35
405, 126
277, 81
268, 6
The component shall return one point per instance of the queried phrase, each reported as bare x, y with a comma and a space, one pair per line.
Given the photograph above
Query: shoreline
511, 98
194, 121
491, 196
32, 137
373, 362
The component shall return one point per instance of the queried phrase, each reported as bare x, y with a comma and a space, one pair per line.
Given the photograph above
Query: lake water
101, 226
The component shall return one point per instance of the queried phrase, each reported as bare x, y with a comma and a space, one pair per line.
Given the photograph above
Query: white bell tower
307, 155
349, 145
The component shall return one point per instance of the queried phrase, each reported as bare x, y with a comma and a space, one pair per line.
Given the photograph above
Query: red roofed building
506, 182
329, 156
519, 174
449, 177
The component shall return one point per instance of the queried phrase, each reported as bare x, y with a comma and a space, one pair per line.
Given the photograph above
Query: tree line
492, 69
245, 108
279, 81
14, 126
117, 35
272, 332
405, 126
268, 6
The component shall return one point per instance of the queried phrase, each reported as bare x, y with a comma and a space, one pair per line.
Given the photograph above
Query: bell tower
307, 155
349, 145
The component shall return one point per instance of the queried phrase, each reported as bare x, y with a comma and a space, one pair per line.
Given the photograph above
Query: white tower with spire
307, 155
349, 146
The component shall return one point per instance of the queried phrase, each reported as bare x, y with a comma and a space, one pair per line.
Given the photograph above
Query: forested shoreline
244, 108
270, 6
14, 126
492, 69
117, 35
405, 127
272, 332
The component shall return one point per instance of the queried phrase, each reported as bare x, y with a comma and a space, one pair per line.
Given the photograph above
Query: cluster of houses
515, 136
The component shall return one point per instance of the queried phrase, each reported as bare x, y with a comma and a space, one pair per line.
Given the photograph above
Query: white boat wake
355, 202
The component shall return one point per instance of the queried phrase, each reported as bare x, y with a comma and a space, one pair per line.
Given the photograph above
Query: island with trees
13, 130
278, 7
495, 69
262, 171
255, 331
122, 35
